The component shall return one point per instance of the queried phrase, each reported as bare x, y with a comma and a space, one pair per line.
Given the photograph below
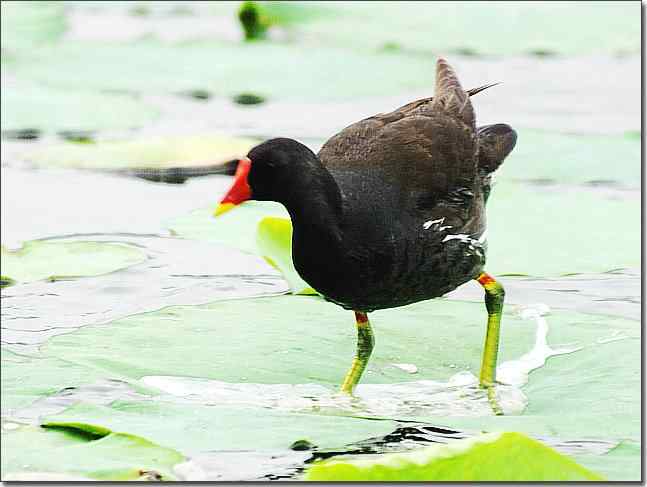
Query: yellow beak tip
223, 208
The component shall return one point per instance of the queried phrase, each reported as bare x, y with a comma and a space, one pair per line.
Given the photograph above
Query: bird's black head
275, 164
269, 173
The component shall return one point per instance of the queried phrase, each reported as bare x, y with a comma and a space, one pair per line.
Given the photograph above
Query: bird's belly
423, 275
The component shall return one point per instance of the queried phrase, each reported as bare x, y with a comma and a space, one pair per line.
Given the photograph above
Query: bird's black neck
313, 201
315, 206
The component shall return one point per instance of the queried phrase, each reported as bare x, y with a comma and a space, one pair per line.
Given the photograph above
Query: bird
391, 211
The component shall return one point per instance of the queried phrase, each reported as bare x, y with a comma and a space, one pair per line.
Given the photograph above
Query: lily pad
542, 156
31, 105
492, 28
67, 449
57, 260
157, 152
498, 457
191, 427
553, 231
236, 228
26, 25
225, 361
232, 68
274, 239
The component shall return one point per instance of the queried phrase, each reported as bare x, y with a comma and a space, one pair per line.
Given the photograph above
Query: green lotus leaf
553, 158
232, 69
541, 29
67, 449
237, 228
29, 105
194, 427
491, 457
158, 152
227, 356
29, 24
41, 259
477, 29
551, 232
274, 240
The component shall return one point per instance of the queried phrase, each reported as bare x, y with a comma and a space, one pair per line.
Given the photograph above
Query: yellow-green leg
494, 296
365, 343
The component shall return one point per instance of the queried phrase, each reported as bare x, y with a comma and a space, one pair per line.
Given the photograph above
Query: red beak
239, 191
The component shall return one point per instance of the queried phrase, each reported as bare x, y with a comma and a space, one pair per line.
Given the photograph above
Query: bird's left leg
365, 343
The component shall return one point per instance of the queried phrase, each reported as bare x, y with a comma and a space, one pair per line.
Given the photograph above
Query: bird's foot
490, 389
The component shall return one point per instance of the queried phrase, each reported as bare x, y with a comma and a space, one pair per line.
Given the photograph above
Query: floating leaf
238, 374
114, 456
546, 231
491, 457
274, 239
554, 158
29, 24
157, 152
236, 228
233, 69
40, 259
480, 28
191, 427
27, 105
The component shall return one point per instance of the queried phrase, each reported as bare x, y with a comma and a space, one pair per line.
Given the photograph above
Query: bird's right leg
494, 295
365, 343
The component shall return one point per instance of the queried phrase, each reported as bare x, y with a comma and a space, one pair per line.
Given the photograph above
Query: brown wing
425, 146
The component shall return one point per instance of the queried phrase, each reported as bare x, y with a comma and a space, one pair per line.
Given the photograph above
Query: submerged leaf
490, 457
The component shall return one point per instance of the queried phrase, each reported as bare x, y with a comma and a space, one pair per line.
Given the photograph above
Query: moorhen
392, 209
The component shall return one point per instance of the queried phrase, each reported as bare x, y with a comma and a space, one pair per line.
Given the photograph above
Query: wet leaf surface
193, 345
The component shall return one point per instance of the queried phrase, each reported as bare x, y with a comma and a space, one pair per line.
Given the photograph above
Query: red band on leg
485, 279
361, 317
